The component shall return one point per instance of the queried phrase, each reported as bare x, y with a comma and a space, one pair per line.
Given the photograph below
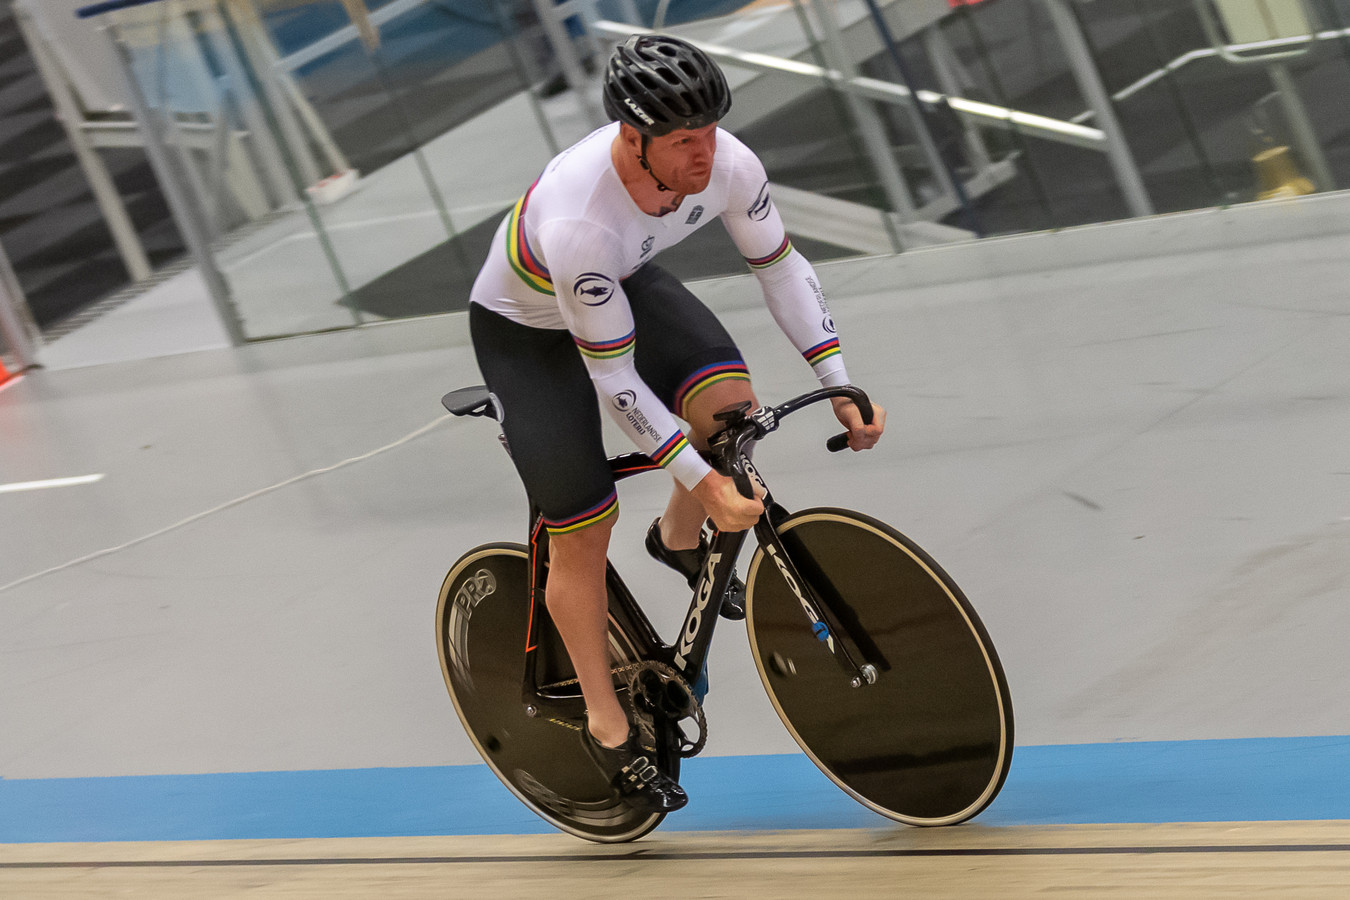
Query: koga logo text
820, 629
753, 474
696, 617
593, 289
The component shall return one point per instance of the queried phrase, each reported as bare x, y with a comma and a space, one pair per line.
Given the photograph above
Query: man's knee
701, 411
584, 544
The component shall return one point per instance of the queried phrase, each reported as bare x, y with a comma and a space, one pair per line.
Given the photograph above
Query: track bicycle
872, 656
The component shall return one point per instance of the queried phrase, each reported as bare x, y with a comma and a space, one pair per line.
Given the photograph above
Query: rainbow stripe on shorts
706, 377
602, 510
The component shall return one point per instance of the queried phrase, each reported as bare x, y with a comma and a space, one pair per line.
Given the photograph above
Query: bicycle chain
666, 673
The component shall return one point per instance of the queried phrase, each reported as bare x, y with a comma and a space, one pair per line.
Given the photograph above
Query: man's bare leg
578, 604
684, 516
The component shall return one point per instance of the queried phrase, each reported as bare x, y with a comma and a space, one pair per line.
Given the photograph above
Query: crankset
657, 690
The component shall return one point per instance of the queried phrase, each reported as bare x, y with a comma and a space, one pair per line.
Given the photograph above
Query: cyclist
568, 309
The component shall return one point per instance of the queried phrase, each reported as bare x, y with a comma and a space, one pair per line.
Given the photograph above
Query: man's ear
632, 140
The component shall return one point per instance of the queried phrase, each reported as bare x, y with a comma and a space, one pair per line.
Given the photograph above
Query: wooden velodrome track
1281, 859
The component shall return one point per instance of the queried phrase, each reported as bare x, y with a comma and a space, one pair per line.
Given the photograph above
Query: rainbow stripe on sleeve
606, 349
667, 452
764, 262
518, 252
823, 351
601, 510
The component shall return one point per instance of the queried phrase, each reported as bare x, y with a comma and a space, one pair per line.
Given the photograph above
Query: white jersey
559, 260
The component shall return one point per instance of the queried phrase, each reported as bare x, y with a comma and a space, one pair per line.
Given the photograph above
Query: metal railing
877, 178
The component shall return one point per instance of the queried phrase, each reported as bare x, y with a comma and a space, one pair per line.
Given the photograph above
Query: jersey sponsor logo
828, 324
759, 210
625, 400
638, 111
647, 244
694, 215
593, 289
820, 296
641, 424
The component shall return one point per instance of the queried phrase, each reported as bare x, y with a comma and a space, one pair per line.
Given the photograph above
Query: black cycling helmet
661, 84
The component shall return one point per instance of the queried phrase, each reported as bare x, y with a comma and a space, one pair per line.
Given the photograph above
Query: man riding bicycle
568, 308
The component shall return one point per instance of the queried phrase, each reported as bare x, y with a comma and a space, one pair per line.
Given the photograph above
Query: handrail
1230, 52
345, 35
98, 9
885, 91
1191, 56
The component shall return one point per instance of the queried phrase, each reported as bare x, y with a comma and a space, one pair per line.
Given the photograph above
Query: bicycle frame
687, 656
822, 581
859, 660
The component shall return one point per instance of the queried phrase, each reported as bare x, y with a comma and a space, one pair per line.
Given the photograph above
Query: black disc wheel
930, 742
481, 624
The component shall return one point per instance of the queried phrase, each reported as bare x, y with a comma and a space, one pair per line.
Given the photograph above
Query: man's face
683, 159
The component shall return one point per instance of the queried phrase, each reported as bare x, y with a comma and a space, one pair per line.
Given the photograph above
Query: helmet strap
642, 159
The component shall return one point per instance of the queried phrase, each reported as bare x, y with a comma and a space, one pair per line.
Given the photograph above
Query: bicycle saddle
469, 401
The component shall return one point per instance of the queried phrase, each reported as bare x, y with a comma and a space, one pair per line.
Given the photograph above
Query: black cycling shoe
688, 564
633, 772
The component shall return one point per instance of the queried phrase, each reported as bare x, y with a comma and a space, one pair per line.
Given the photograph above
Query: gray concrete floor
1126, 442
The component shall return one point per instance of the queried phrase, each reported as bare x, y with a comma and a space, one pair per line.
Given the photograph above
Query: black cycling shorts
550, 414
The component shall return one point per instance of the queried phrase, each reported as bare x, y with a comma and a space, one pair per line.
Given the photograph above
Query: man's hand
724, 504
860, 436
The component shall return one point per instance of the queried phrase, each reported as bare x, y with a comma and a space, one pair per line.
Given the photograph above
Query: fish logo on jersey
759, 210
593, 289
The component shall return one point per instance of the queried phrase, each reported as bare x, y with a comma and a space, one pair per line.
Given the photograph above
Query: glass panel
1185, 130
422, 117
352, 170
345, 171
231, 174
802, 130
1010, 51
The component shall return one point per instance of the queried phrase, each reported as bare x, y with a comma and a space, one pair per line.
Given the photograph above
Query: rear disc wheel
482, 619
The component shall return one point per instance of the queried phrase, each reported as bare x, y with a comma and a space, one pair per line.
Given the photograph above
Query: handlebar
727, 446
744, 427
